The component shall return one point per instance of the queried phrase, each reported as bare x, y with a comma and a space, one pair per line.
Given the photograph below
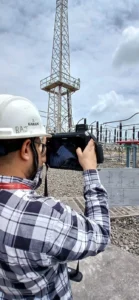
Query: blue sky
104, 44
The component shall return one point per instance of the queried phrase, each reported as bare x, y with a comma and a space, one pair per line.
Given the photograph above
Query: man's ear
25, 150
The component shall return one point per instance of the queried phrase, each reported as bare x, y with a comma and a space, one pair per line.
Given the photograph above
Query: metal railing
60, 77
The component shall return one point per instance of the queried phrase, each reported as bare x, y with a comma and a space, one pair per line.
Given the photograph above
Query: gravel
125, 231
125, 234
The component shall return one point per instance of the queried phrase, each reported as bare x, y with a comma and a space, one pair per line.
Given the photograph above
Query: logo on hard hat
33, 123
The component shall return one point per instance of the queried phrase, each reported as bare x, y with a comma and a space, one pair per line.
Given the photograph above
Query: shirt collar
33, 184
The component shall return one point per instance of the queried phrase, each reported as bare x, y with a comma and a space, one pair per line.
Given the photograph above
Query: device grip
99, 153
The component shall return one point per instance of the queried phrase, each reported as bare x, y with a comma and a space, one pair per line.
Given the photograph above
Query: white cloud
128, 50
26, 35
113, 106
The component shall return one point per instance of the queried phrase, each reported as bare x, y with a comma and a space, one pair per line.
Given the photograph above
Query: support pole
92, 129
134, 133
97, 131
115, 135
109, 137
134, 155
126, 135
128, 151
101, 133
106, 132
120, 131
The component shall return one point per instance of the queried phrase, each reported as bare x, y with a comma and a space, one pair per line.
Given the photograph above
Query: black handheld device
61, 148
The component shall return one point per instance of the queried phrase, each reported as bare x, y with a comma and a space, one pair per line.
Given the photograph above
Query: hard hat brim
23, 136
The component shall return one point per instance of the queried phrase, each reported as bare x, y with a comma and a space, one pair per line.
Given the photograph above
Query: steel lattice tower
60, 85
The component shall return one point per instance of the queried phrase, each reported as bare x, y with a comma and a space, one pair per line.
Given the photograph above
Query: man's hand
87, 158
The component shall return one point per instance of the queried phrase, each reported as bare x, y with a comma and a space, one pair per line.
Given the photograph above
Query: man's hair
8, 146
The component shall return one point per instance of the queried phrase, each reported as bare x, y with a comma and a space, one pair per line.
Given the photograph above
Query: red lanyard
14, 186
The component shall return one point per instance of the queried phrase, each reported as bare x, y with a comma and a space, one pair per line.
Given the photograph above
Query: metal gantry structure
60, 85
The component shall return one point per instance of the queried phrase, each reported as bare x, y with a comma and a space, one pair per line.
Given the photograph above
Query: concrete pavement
112, 275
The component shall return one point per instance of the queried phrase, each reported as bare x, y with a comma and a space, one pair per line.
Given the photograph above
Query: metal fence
116, 156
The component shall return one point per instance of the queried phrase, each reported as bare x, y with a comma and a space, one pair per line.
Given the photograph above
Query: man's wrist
91, 176
87, 168
90, 171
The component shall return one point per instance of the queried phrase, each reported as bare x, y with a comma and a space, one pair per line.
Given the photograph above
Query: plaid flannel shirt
39, 235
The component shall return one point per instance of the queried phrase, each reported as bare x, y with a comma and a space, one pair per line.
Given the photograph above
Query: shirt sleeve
75, 236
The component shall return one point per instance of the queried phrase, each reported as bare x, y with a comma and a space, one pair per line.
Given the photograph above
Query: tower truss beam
60, 85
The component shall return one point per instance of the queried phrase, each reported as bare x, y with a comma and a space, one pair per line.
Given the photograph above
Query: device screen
61, 152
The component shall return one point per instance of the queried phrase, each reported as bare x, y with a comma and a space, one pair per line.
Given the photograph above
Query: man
38, 235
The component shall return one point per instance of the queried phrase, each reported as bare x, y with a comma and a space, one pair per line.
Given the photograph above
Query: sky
104, 49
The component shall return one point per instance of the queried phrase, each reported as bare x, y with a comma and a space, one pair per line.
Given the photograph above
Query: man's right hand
87, 158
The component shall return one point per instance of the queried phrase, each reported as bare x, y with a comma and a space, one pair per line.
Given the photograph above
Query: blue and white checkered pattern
39, 235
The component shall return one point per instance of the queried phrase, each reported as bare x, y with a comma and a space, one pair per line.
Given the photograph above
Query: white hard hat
19, 118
